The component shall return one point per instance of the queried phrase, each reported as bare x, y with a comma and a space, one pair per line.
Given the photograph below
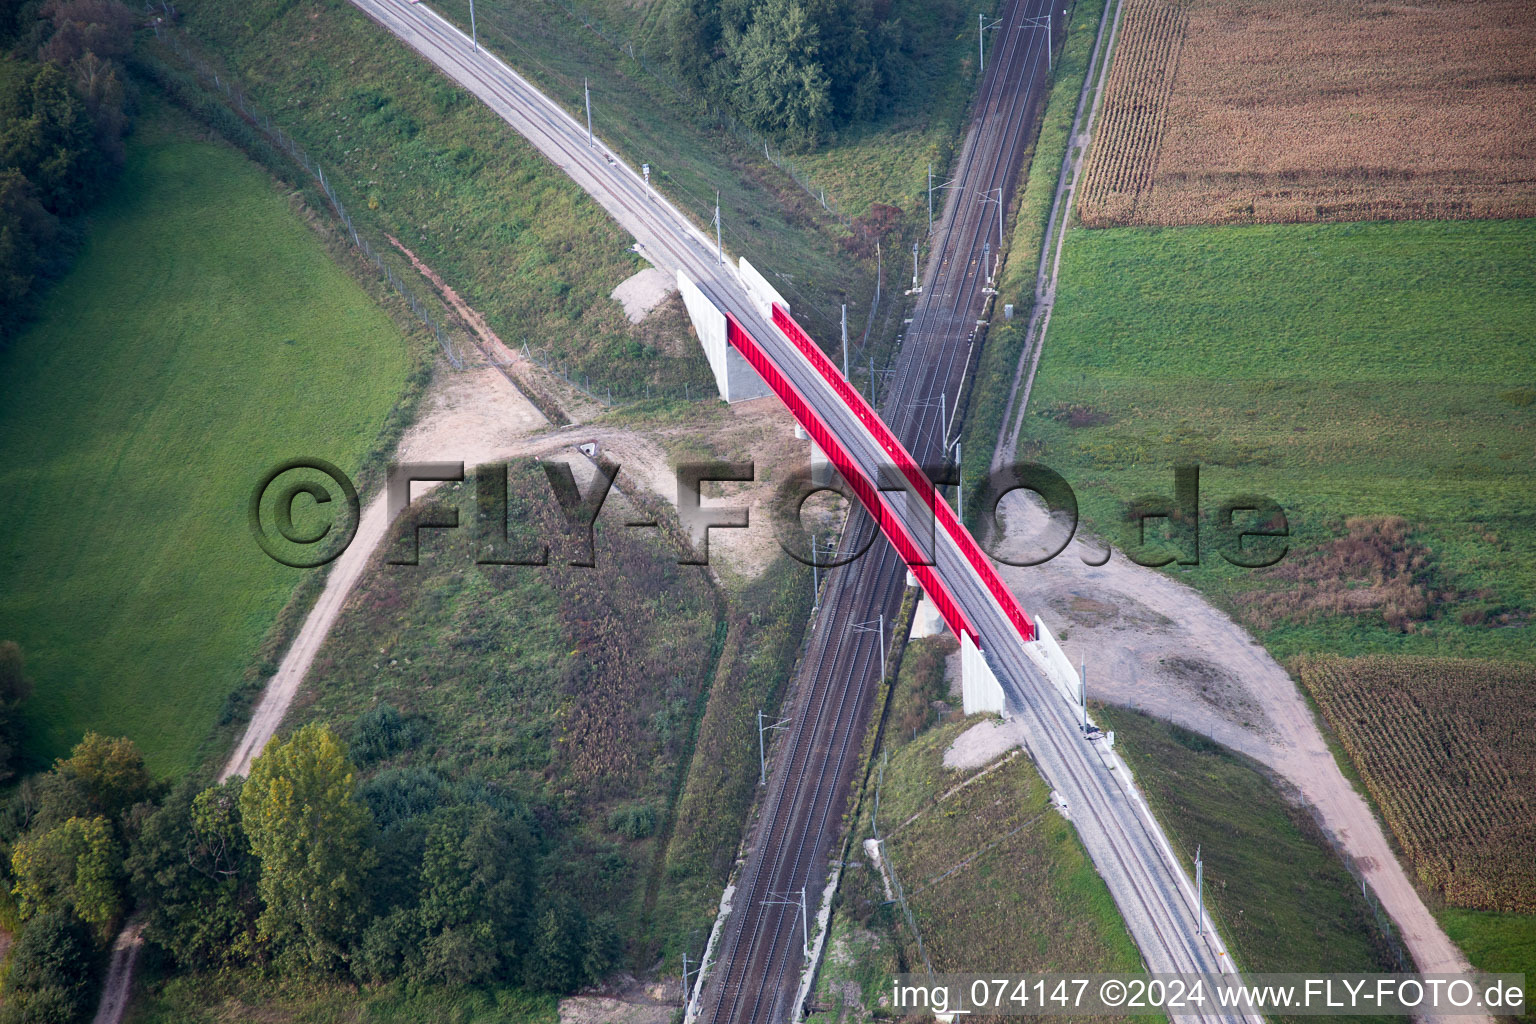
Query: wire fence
235, 97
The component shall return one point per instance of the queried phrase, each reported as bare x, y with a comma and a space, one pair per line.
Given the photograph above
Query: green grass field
203, 336
1279, 894
996, 879
1497, 943
1349, 370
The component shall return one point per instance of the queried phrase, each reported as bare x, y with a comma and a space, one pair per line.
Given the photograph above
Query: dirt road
1152, 643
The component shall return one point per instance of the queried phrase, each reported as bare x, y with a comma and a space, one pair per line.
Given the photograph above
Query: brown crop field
1222, 111
1445, 748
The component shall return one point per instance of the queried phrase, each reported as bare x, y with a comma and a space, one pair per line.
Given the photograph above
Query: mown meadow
204, 335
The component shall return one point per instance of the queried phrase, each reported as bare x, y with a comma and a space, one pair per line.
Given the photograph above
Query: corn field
1218, 111
1444, 747
1135, 113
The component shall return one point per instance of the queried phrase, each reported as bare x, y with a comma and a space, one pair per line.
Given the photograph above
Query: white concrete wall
980, 690
761, 292
1047, 654
734, 377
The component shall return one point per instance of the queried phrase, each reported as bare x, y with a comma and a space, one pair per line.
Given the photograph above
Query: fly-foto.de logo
1249, 531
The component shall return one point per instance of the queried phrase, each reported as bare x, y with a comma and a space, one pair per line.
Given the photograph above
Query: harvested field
1444, 748
1316, 110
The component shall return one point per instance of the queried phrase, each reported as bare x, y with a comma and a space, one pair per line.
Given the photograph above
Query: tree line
298, 867
791, 69
64, 105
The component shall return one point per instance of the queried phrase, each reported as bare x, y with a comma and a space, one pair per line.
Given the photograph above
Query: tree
554, 963
109, 772
476, 871
24, 228
76, 866
52, 972
311, 835
46, 133
193, 873
781, 86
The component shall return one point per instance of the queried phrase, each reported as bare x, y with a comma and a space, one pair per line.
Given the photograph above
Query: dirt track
1154, 644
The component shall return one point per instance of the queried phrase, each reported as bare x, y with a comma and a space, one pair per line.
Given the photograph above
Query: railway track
757, 973
761, 949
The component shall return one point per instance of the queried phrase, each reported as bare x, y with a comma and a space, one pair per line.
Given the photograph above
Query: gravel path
1153, 643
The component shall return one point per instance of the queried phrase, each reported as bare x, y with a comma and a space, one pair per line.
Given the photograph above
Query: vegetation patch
993, 876
1273, 885
1375, 569
1004, 345
1308, 364
416, 158
1444, 748
1315, 111
576, 688
204, 336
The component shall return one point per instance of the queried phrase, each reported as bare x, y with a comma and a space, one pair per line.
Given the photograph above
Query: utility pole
588, 94
999, 220
930, 197
1199, 894
959, 487
762, 751
774, 899
719, 252
845, 341
474, 37
1082, 691
863, 627
981, 28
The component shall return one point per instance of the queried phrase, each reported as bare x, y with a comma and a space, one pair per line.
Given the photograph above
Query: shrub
53, 971
381, 732
633, 821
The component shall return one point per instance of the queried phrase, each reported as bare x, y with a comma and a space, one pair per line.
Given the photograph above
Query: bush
53, 972
633, 821
398, 795
381, 732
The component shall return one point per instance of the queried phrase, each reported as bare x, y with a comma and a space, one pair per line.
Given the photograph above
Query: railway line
754, 976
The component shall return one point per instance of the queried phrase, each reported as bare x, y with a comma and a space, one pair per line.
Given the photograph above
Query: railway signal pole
762, 747
1199, 894
784, 901
845, 341
878, 626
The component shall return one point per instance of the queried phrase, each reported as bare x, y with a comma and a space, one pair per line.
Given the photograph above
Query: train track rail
761, 951
757, 973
